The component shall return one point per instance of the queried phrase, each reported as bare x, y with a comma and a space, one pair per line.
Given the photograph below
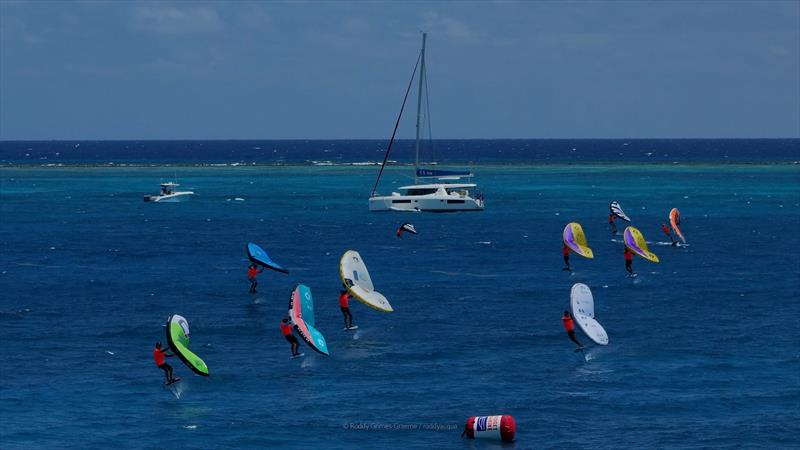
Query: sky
83, 70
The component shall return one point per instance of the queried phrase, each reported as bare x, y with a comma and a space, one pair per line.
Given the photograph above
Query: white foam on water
177, 389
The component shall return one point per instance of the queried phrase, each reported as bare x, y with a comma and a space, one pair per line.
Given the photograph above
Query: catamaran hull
406, 203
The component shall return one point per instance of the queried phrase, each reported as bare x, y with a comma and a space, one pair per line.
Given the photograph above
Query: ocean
348, 152
703, 351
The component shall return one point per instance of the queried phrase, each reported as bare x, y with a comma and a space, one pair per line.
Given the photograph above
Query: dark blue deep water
704, 350
475, 151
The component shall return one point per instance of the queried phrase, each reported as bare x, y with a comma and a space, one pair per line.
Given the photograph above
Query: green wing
179, 343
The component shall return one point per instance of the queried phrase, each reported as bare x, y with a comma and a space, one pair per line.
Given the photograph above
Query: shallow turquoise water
703, 351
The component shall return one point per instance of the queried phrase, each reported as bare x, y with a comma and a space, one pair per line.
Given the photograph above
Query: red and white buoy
501, 428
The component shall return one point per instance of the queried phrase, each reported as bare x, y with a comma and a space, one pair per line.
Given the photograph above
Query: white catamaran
444, 193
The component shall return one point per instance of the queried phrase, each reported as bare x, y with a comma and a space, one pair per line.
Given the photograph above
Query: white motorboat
442, 192
169, 194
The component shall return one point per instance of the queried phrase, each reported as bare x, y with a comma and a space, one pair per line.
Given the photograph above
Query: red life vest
158, 357
568, 324
565, 251
286, 329
252, 273
343, 300
628, 255
611, 218
665, 229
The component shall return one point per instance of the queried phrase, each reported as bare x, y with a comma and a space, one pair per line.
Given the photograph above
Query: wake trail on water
457, 274
178, 388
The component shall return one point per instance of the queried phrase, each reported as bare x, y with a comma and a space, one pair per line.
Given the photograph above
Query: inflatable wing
301, 311
576, 240
178, 341
582, 304
675, 221
408, 227
634, 240
356, 278
259, 256
617, 211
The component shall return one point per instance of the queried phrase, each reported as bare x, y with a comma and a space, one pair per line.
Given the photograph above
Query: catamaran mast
419, 102
394, 132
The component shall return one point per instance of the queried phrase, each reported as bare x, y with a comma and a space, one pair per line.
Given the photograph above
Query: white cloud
456, 29
350, 32
256, 17
448, 26
175, 20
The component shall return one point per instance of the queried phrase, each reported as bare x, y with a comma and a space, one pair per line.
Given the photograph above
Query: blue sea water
703, 351
474, 151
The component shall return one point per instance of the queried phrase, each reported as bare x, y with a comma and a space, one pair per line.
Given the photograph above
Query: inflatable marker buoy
501, 428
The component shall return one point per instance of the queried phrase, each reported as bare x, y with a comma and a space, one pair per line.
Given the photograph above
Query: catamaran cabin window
401, 201
421, 191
